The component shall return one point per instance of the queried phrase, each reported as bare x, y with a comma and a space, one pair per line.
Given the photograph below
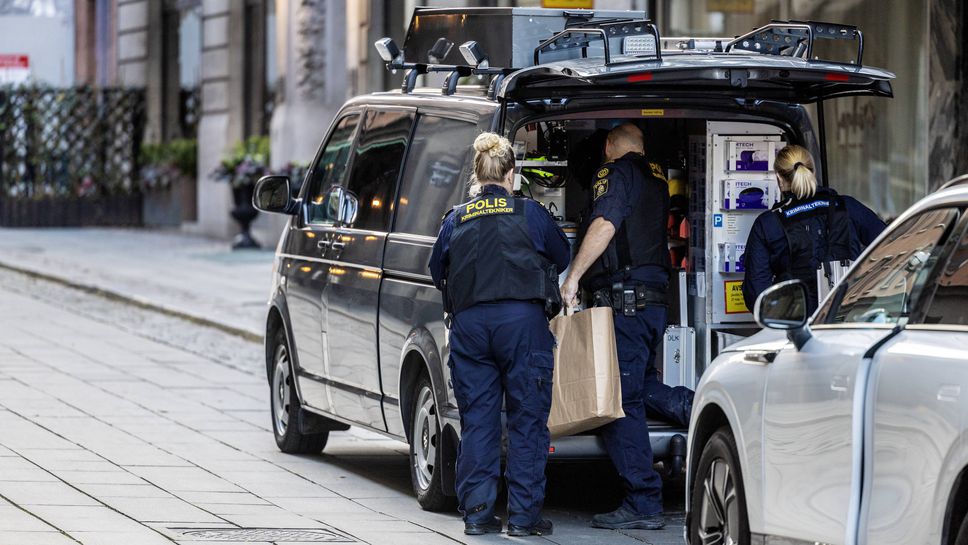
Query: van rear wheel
426, 452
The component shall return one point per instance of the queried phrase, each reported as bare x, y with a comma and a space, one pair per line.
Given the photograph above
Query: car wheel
718, 500
426, 454
285, 405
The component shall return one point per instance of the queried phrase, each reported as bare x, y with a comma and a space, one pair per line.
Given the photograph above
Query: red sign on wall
14, 61
14, 68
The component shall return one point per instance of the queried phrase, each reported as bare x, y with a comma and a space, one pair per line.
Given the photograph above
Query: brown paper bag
587, 391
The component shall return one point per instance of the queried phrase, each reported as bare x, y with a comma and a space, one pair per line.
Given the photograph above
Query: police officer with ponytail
810, 230
497, 260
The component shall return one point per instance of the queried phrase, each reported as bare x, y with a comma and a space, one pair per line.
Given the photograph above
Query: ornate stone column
311, 59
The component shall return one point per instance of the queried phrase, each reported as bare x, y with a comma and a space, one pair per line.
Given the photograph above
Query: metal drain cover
297, 535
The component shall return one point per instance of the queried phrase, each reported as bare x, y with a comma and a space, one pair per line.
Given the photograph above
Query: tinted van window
879, 289
376, 166
330, 169
436, 173
950, 303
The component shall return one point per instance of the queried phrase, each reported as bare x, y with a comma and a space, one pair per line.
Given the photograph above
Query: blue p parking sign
717, 220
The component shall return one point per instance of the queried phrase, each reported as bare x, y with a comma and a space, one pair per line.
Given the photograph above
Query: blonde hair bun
492, 144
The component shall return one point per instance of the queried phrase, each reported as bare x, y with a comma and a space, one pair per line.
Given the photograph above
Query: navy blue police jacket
767, 252
616, 200
548, 239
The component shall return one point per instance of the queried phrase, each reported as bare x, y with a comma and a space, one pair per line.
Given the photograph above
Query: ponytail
795, 166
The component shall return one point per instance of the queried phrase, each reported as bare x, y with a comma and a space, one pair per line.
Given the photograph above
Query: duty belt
628, 298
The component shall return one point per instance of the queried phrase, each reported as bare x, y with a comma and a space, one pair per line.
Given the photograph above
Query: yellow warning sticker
603, 173
599, 189
735, 304
653, 112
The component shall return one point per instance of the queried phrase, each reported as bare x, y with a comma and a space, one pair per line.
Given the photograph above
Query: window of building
436, 173
330, 170
879, 290
376, 166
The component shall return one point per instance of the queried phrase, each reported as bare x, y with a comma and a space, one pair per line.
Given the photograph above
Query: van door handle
323, 244
337, 245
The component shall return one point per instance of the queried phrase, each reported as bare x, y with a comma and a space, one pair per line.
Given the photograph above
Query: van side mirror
272, 194
342, 206
784, 306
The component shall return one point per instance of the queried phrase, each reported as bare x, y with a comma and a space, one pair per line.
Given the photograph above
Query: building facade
224, 70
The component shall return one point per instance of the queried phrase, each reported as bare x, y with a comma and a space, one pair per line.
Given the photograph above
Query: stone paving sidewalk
109, 435
196, 277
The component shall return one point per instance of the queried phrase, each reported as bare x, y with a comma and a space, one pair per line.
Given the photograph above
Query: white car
848, 427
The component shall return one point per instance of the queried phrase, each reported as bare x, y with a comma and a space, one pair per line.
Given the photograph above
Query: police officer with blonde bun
497, 260
807, 230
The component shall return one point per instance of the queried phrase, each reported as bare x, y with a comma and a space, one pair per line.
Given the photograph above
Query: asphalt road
124, 425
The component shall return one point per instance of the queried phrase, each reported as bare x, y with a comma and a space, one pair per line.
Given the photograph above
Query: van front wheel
285, 405
426, 452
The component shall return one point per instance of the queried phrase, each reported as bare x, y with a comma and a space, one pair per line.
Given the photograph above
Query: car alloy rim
281, 382
719, 510
425, 438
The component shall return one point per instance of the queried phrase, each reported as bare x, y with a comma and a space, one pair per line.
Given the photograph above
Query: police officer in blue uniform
497, 260
805, 232
624, 261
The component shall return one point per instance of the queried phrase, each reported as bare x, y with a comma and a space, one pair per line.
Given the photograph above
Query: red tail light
836, 77
635, 78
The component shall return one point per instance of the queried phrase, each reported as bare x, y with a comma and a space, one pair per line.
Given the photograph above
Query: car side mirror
784, 307
342, 206
272, 194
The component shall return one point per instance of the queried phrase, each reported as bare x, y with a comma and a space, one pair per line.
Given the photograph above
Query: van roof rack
796, 39
630, 31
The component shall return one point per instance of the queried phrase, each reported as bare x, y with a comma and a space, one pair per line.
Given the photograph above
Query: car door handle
760, 356
337, 245
323, 244
839, 383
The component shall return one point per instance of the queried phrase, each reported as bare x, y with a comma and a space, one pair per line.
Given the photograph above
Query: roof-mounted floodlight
438, 53
389, 51
474, 54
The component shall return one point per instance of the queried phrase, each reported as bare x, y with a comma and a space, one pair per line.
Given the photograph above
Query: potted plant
168, 182
245, 164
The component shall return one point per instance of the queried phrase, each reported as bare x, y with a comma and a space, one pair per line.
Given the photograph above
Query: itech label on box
746, 156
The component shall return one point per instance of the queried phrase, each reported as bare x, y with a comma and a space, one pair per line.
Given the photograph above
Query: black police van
355, 333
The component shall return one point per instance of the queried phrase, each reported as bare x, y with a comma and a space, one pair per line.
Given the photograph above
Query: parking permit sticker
717, 220
735, 304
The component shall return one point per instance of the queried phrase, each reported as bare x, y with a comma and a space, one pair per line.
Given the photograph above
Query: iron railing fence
71, 142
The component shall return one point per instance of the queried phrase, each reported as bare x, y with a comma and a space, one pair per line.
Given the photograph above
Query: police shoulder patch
599, 188
603, 172
657, 171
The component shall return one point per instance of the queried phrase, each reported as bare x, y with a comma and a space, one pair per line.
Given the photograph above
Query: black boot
624, 518
543, 527
480, 528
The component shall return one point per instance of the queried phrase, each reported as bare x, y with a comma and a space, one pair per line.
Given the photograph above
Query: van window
879, 289
436, 174
950, 303
376, 166
330, 169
